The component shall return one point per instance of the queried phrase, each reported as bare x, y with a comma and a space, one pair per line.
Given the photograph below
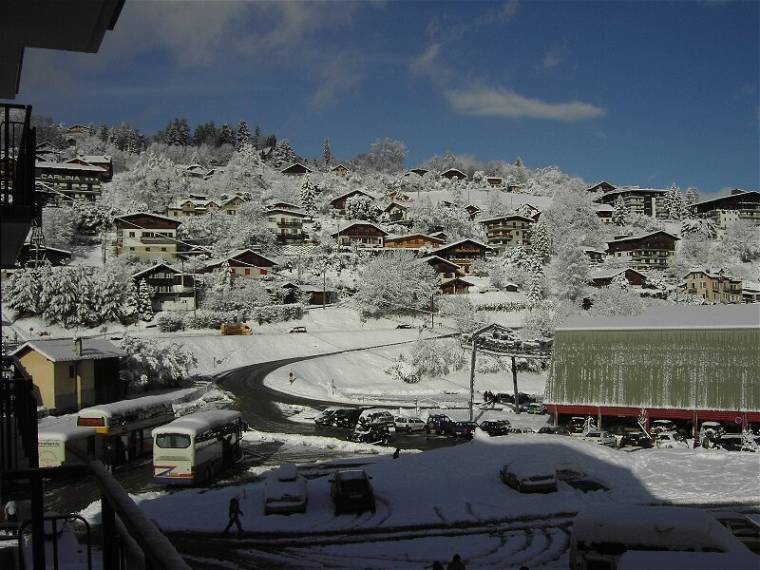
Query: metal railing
17, 156
18, 421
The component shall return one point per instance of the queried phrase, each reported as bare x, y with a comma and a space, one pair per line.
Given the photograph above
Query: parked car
523, 429
601, 438
371, 416
742, 527
409, 424
404, 326
463, 429
636, 439
326, 417
734, 442
298, 330
235, 329
436, 422
528, 477
347, 417
378, 434
659, 426
352, 492
285, 491
670, 440
576, 425
536, 408
712, 428
553, 430
495, 427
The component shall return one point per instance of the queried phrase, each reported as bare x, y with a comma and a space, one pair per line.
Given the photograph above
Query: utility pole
472, 375
432, 314
324, 287
514, 384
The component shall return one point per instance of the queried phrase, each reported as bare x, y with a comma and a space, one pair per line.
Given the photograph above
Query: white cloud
498, 102
508, 10
341, 75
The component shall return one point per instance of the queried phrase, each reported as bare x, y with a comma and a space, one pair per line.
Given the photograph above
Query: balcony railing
156, 239
17, 156
289, 224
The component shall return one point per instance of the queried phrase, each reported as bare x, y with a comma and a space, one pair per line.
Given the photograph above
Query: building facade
146, 236
724, 211
412, 241
650, 251
244, 263
73, 179
643, 201
464, 253
361, 234
287, 224
714, 286
507, 231
173, 290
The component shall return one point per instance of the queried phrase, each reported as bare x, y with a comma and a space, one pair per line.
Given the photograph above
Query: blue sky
644, 93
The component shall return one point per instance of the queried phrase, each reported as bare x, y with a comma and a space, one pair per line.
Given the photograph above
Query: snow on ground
317, 442
360, 378
461, 484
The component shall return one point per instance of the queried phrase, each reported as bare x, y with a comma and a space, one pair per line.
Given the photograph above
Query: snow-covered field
461, 484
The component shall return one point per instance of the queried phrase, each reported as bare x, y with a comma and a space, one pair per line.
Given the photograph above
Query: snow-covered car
371, 433
371, 416
670, 440
495, 427
735, 442
409, 424
742, 527
659, 426
601, 438
635, 439
285, 491
326, 418
710, 429
536, 408
576, 425
529, 477
298, 330
351, 491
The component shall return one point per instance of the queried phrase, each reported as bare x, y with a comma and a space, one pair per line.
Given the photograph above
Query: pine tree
621, 213
103, 132
109, 297
541, 241
569, 272
130, 303
691, 196
144, 301
226, 136
283, 154
327, 152
23, 293
535, 288
308, 196
243, 135
257, 138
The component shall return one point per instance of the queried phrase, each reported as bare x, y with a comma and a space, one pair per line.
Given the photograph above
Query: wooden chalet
455, 286
146, 236
650, 251
602, 186
173, 289
440, 235
361, 234
311, 294
29, 254
395, 212
605, 277
339, 203
594, 255
464, 252
283, 205
244, 263
739, 205
296, 169
419, 171
495, 181
444, 268
452, 173
412, 241
472, 211
340, 170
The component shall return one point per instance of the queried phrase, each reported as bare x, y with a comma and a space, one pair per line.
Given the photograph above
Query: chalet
643, 201
604, 212
514, 187
146, 236
101, 160
191, 207
453, 173
713, 285
74, 179
52, 255
194, 170
285, 205
528, 211
232, 205
173, 289
79, 130
70, 374
444, 268
723, 211
412, 241
602, 186
244, 263
419, 171
464, 253
362, 234
311, 294
472, 211
296, 169
455, 286
507, 231
340, 170
650, 251
286, 224
440, 235
47, 153
495, 181
395, 212
594, 255
605, 277
339, 203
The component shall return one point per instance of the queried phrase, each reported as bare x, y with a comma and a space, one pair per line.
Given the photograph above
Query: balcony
17, 191
289, 224
157, 240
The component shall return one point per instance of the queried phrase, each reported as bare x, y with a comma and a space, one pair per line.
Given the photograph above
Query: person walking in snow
456, 563
234, 513
396, 453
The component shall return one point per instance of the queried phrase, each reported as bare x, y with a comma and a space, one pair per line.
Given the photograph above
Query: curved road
257, 403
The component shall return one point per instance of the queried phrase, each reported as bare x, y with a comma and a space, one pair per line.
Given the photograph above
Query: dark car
495, 427
326, 417
298, 330
436, 423
346, 418
462, 429
372, 433
554, 430
404, 326
733, 442
352, 492
635, 439
576, 425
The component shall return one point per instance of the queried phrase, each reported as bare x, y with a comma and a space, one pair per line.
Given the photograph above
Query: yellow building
70, 374
714, 286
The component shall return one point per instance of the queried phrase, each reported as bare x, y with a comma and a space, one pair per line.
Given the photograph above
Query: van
600, 536
235, 329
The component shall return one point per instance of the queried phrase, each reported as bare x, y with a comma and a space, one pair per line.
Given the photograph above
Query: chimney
77, 346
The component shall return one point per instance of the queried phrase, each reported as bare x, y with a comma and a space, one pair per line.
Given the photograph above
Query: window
247, 270
131, 249
147, 249
163, 249
131, 234
172, 441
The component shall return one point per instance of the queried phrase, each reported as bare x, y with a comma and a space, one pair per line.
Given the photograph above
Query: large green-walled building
675, 362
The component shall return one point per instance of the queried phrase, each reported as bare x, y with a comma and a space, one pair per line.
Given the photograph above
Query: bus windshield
172, 440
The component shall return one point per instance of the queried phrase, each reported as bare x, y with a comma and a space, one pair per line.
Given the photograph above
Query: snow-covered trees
675, 204
242, 134
327, 152
360, 207
144, 301
535, 288
283, 154
226, 136
308, 196
177, 133
152, 184
617, 299
150, 363
621, 213
58, 227
691, 196
395, 283
572, 218
569, 272
22, 292
740, 240
385, 155
541, 241
436, 357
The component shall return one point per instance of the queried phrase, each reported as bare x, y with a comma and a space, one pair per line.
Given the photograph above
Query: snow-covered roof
62, 349
455, 280
484, 197
507, 217
711, 272
95, 158
199, 422
605, 208
287, 211
642, 236
63, 430
69, 166
459, 242
439, 259
415, 234
123, 407
674, 317
594, 250
354, 191
631, 190
282, 205
156, 266
149, 214
741, 193
610, 273
236, 253
394, 203
294, 165
351, 225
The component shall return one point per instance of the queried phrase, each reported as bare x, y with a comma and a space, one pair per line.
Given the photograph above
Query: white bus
602, 534
122, 425
193, 448
65, 443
